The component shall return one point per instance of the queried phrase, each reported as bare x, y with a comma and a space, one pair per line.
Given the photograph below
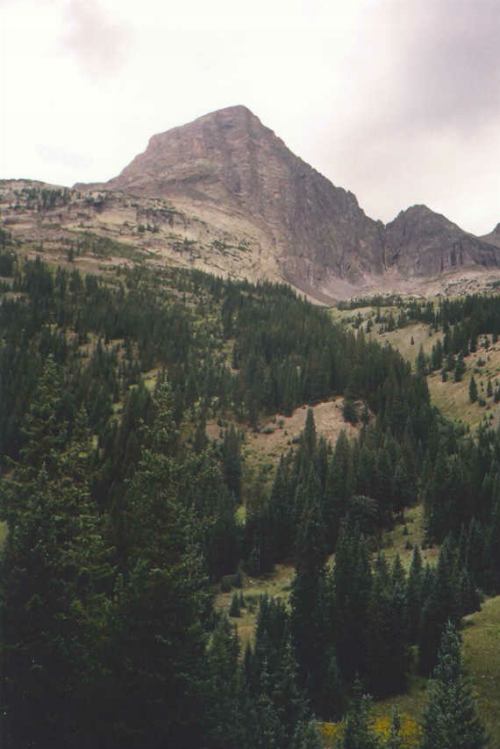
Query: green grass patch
404, 536
3, 534
401, 339
481, 647
276, 585
481, 638
105, 247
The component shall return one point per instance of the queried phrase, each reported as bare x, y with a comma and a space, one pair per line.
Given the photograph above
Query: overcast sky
396, 100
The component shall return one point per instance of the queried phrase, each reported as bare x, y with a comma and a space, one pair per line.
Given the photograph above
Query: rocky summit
232, 169
229, 162
224, 194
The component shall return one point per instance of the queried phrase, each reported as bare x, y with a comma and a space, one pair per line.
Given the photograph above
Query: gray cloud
450, 71
424, 122
98, 42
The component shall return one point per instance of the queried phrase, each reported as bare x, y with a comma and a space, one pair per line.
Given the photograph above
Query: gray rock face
494, 237
228, 157
420, 242
228, 161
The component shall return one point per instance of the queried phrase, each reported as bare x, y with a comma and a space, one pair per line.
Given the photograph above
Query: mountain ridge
228, 162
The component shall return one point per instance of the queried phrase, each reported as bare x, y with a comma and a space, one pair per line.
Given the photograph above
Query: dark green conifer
414, 596
441, 605
395, 739
358, 730
451, 718
306, 737
225, 696
473, 393
231, 461
234, 608
55, 573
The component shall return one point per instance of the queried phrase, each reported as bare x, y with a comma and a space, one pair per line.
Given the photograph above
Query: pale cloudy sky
396, 100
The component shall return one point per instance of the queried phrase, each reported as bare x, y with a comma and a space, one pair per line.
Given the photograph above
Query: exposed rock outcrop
420, 242
230, 160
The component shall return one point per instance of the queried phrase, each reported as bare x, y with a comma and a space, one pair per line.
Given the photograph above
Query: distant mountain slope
233, 172
493, 237
420, 242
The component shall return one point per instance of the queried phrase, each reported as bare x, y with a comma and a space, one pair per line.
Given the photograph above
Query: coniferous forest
123, 519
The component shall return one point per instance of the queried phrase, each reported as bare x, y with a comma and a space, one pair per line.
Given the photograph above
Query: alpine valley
249, 460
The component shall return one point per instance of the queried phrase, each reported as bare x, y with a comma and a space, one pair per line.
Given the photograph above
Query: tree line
122, 516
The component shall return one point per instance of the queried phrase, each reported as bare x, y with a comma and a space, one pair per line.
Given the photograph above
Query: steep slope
228, 161
224, 194
232, 172
420, 242
493, 237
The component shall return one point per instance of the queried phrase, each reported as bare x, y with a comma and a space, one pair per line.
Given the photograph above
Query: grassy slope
481, 634
482, 657
450, 397
403, 537
276, 585
481, 638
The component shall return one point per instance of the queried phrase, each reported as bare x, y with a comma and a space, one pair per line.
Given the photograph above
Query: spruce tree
388, 655
459, 368
339, 487
421, 363
225, 695
308, 437
395, 739
234, 608
473, 393
306, 737
160, 603
352, 581
231, 460
55, 575
308, 615
281, 512
442, 604
414, 596
451, 720
358, 730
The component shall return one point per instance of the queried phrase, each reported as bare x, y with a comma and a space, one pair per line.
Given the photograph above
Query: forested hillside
123, 520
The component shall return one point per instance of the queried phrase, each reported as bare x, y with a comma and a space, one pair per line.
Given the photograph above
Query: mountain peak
419, 211
494, 237
422, 242
237, 110
237, 176
236, 114
229, 162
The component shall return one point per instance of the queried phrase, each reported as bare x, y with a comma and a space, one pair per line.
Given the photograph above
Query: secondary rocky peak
494, 237
422, 242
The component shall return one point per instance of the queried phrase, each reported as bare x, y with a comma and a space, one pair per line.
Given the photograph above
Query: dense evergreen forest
123, 518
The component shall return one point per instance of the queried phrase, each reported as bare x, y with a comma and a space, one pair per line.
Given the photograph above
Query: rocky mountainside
228, 161
494, 237
225, 194
420, 242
